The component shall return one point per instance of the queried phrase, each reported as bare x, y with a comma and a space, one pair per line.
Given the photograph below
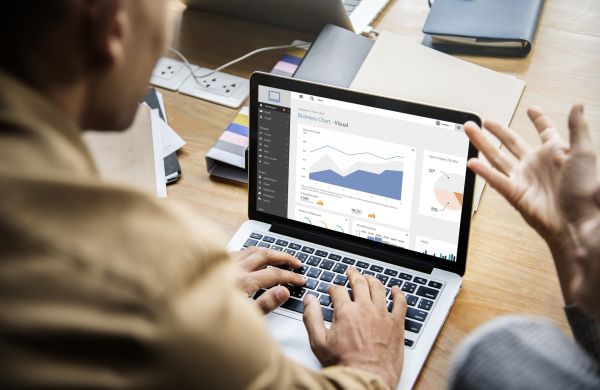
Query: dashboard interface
381, 175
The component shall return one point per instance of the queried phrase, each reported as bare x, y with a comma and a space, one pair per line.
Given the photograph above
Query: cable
227, 65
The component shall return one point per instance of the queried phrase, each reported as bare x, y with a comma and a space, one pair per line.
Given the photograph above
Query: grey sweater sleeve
585, 329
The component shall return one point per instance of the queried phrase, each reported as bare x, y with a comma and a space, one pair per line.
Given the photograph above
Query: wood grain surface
509, 269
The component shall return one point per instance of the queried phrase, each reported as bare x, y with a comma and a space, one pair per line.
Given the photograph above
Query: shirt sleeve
217, 338
585, 329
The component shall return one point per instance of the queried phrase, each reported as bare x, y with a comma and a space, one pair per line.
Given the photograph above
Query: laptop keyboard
323, 268
350, 5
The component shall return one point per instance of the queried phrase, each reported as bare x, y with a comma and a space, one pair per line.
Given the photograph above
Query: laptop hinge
355, 248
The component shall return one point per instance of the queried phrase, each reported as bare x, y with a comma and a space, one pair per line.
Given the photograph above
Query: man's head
91, 57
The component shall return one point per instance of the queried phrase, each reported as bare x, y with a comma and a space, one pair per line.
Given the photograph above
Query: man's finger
360, 287
499, 181
339, 295
492, 152
313, 320
377, 291
513, 141
579, 133
263, 257
272, 298
272, 276
399, 308
542, 122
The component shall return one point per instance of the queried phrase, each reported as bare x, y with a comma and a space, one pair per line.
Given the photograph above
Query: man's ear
107, 26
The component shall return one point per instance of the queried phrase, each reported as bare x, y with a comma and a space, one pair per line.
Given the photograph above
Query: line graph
354, 154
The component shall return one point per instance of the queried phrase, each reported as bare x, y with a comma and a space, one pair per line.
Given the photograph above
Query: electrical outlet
220, 88
170, 74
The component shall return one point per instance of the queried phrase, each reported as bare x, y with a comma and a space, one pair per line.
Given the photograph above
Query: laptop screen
380, 175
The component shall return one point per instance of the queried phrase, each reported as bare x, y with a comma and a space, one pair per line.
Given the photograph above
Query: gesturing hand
363, 334
256, 270
551, 186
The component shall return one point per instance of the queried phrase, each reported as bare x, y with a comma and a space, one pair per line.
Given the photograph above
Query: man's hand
551, 186
256, 270
363, 333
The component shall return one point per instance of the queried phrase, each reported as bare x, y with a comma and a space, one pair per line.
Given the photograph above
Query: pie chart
448, 190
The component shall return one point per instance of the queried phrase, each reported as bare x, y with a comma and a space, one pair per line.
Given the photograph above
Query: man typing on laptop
103, 286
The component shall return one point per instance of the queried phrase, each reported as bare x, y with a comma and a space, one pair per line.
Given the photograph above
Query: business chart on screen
380, 175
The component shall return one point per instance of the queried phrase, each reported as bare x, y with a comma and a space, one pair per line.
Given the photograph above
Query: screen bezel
329, 92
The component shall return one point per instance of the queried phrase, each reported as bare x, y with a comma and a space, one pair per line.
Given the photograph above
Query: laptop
305, 15
341, 179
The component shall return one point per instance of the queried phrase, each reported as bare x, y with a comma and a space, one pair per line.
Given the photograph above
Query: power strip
220, 88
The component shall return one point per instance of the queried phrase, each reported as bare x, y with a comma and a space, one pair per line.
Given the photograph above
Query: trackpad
291, 336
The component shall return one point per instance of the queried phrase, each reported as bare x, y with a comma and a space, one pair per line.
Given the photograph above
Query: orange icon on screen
372, 215
320, 203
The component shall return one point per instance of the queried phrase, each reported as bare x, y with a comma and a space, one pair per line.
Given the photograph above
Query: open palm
549, 185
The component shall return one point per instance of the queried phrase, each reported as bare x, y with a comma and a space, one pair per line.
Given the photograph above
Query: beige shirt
102, 286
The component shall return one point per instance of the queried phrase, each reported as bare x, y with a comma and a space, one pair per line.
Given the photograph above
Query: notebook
493, 27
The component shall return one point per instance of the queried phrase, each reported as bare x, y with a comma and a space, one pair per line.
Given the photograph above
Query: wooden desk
509, 267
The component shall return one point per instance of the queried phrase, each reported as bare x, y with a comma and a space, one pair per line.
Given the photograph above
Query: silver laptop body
314, 150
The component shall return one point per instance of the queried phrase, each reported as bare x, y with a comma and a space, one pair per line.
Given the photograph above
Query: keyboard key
327, 264
376, 268
433, 284
382, 278
362, 264
296, 291
258, 293
411, 300
366, 272
405, 276
350, 294
408, 343
269, 239
347, 260
425, 304
313, 272
321, 253
340, 268
281, 242
394, 282
289, 252
420, 280
412, 326
327, 276
311, 283
250, 242
277, 248
256, 236
325, 300
301, 256
323, 287
294, 246
264, 245
327, 314
416, 314
313, 260
294, 305
301, 270
308, 249
427, 292
313, 293
390, 306
409, 287
340, 280
391, 272
335, 257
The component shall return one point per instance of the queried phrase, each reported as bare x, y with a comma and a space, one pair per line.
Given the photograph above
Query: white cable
227, 65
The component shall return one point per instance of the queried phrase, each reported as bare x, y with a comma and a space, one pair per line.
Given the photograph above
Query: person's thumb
313, 320
272, 298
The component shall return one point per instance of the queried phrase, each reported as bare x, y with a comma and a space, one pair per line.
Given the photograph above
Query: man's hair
27, 27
